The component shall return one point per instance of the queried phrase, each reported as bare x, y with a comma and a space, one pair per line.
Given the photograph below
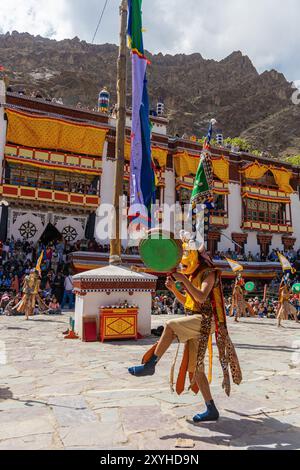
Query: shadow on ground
251, 433
262, 347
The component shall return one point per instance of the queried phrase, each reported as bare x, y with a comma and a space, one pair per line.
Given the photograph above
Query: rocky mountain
257, 107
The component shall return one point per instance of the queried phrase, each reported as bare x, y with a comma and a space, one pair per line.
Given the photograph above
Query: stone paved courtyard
64, 394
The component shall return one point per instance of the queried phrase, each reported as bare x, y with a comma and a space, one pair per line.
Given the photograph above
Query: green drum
160, 252
296, 289
250, 286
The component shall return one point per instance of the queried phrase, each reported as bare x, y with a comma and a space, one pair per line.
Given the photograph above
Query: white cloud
44, 17
266, 30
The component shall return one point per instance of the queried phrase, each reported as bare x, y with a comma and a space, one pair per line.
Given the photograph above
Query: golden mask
189, 261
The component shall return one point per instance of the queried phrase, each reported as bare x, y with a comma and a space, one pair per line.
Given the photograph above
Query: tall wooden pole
115, 245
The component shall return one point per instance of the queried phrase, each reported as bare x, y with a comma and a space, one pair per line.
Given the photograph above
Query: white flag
236, 267
286, 265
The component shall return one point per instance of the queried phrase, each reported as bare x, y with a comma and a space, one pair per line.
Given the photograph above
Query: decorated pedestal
113, 286
118, 323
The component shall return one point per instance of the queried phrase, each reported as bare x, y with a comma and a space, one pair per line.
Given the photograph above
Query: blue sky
266, 30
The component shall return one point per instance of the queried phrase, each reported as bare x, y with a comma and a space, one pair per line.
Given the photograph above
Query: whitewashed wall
277, 241
156, 129
252, 244
296, 218
170, 196
235, 217
90, 304
108, 178
107, 190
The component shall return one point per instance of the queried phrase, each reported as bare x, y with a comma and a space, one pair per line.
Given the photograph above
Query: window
267, 180
266, 212
220, 202
31, 182
45, 184
184, 196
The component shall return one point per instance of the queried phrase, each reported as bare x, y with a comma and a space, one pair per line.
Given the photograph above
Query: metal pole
115, 245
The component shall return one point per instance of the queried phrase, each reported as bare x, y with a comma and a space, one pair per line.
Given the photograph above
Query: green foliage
237, 142
242, 144
257, 153
295, 160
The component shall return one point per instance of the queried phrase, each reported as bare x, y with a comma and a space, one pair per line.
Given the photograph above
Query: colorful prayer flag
142, 175
210, 133
203, 185
202, 194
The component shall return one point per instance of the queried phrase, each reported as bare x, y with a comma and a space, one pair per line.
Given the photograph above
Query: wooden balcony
267, 227
49, 195
271, 194
53, 160
220, 221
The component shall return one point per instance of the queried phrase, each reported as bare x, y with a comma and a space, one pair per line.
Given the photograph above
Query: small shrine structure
112, 287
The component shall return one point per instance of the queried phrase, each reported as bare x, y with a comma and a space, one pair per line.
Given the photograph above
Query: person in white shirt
68, 293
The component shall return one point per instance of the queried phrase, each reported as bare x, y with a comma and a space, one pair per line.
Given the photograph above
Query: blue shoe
144, 370
210, 415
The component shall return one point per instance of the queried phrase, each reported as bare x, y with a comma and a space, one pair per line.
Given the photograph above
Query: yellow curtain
160, 155
50, 133
127, 150
185, 164
255, 171
221, 169
283, 178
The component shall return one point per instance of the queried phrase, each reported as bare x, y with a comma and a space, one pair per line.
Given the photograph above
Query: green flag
203, 186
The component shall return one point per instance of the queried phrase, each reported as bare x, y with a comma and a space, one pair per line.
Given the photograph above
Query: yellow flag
236, 267
38, 265
286, 265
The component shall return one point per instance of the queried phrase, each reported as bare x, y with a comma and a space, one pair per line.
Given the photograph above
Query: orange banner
282, 176
32, 130
187, 164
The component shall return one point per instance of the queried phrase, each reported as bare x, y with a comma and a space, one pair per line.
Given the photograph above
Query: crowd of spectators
67, 186
165, 304
18, 258
291, 255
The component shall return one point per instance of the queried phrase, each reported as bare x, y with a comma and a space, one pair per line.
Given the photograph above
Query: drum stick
232, 241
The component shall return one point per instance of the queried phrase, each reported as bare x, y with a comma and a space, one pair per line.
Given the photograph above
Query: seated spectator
9, 309
54, 307
4, 301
